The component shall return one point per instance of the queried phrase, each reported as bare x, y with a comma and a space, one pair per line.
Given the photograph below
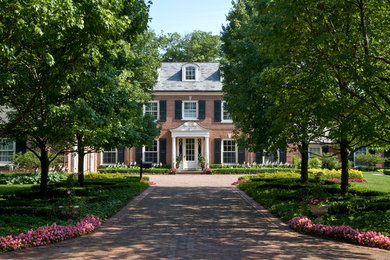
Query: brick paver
196, 217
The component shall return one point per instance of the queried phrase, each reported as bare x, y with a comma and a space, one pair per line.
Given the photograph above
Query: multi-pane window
151, 153
225, 114
190, 110
109, 157
190, 73
229, 151
313, 151
152, 109
360, 151
7, 150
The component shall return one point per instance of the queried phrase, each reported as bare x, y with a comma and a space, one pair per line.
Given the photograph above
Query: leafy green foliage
76, 73
30, 178
370, 159
29, 162
282, 194
386, 172
22, 208
315, 163
329, 160
197, 46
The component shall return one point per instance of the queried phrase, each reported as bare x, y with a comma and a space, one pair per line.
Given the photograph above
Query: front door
190, 149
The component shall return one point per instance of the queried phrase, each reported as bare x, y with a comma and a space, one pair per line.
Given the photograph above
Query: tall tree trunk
344, 152
44, 171
81, 154
304, 150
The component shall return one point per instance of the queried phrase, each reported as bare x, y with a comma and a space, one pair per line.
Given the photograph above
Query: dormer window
190, 72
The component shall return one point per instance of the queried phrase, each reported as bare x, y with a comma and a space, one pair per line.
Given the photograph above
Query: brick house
188, 103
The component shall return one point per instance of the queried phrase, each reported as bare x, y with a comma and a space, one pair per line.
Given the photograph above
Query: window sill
191, 119
227, 121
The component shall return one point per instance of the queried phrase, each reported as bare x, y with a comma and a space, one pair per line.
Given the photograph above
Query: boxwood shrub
135, 170
248, 170
386, 172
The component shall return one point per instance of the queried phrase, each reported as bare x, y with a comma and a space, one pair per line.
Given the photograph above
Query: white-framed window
150, 153
152, 109
110, 156
229, 151
313, 151
7, 151
190, 110
190, 72
226, 118
357, 162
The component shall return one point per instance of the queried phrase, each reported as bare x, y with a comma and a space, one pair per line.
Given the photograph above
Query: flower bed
325, 173
240, 181
347, 233
349, 180
49, 234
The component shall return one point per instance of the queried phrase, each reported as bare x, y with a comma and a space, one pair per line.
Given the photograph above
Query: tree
50, 49
197, 46
107, 115
268, 112
370, 159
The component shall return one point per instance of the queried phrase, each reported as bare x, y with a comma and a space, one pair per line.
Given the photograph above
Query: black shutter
178, 108
282, 156
20, 146
202, 109
163, 150
325, 149
121, 155
163, 110
241, 156
217, 150
217, 110
259, 159
351, 157
138, 154
387, 155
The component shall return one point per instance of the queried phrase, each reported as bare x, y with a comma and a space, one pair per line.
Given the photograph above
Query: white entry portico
189, 142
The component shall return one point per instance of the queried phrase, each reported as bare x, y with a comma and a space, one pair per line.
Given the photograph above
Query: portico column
173, 152
207, 151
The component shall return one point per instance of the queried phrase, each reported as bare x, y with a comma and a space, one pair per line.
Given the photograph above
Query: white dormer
190, 72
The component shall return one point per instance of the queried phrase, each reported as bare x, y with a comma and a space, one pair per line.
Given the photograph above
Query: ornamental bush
49, 234
386, 172
326, 173
249, 170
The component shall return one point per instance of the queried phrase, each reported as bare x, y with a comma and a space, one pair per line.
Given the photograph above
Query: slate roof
171, 77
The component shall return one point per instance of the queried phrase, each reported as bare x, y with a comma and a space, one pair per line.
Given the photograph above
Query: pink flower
68, 192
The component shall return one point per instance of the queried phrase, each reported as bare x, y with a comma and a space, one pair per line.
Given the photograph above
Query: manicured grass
375, 182
21, 207
366, 207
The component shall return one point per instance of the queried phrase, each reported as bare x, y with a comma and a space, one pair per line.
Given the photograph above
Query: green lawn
375, 182
21, 207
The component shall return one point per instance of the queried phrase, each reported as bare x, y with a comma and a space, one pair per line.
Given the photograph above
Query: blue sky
185, 16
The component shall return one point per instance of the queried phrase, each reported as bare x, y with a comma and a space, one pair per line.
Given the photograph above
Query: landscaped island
27, 220
361, 217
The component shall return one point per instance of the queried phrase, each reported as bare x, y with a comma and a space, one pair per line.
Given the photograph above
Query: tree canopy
75, 67
306, 66
197, 46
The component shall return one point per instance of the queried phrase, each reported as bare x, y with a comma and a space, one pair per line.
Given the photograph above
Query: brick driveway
196, 217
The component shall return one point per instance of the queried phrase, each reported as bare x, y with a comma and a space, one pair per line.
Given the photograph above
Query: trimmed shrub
386, 172
354, 174
104, 176
249, 170
135, 170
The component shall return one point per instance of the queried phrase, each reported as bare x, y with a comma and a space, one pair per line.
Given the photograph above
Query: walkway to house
196, 217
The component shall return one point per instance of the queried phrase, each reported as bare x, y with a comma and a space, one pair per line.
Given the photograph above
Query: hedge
251, 166
132, 170
249, 170
386, 172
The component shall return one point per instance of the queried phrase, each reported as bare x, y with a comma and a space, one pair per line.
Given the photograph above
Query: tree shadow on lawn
196, 223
